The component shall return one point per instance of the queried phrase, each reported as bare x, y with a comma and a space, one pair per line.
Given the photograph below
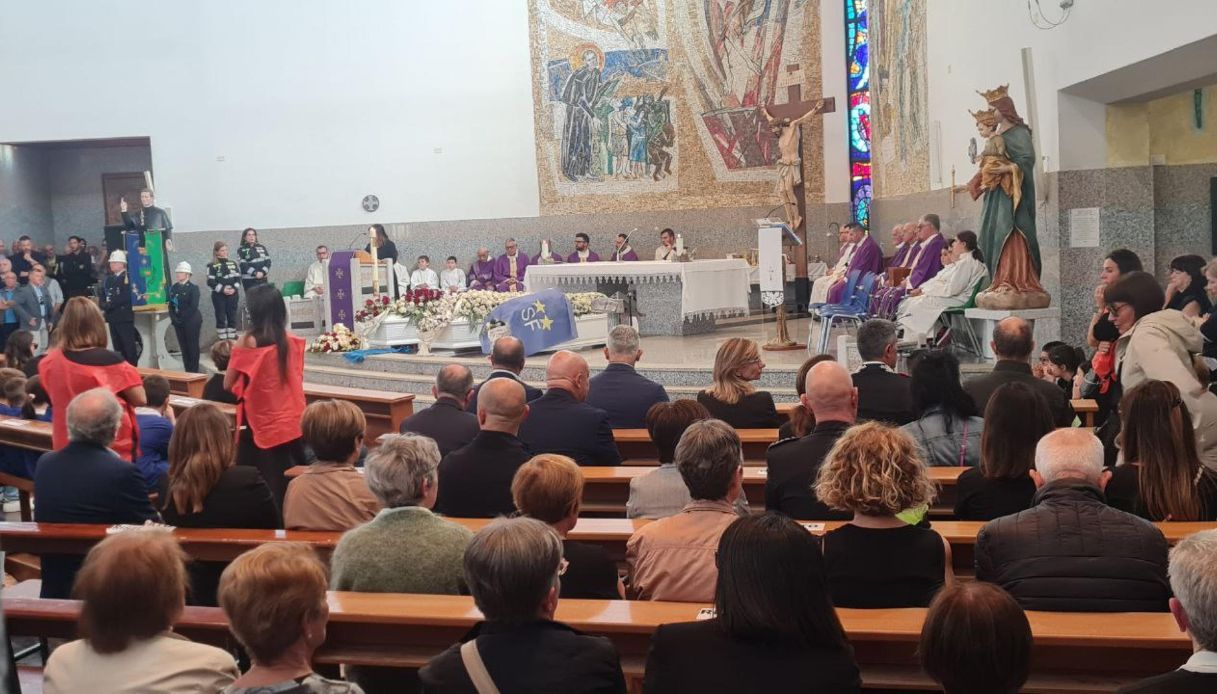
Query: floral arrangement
340, 339
581, 302
433, 310
412, 304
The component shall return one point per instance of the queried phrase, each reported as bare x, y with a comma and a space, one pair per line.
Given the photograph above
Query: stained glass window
857, 60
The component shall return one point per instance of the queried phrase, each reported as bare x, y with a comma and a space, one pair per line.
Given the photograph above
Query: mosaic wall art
901, 139
655, 103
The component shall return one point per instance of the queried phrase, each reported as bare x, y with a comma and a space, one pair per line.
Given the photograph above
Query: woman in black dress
1162, 478
1016, 418
878, 560
1185, 286
384, 247
732, 398
774, 629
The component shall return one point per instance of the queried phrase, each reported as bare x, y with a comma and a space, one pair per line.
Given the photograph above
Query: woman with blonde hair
1161, 478
133, 588
877, 560
78, 361
732, 398
204, 489
275, 601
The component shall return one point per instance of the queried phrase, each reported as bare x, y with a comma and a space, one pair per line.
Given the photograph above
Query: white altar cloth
709, 288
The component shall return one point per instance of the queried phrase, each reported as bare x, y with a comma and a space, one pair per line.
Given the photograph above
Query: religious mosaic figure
583, 95
1006, 180
790, 166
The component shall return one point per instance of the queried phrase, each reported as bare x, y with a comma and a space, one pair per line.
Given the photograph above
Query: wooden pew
1086, 411
180, 382
385, 410
1073, 652
636, 443
181, 403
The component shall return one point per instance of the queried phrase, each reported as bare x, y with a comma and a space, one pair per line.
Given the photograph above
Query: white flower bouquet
340, 339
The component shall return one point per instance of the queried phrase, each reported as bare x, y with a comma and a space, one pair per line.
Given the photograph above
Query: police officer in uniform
116, 305
75, 270
185, 316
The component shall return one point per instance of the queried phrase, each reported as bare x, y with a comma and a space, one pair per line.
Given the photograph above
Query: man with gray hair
673, 558
406, 548
621, 391
883, 394
446, 421
86, 482
1193, 577
1071, 552
514, 568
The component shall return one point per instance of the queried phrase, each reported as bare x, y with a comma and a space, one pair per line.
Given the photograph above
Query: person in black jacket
223, 278
75, 270
514, 568
255, 260
792, 464
1070, 551
214, 389
24, 258
732, 397
384, 247
883, 394
550, 488
506, 361
774, 629
150, 218
1013, 344
619, 390
475, 480
446, 421
85, 482
116, 306
205, 490
185, 316
976, 639
561, 422
1193, 563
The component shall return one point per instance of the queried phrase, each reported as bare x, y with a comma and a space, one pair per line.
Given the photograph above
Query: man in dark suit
621, 391
85, 482
475, 480
561, 422
883, 394
1013, 344
506, 361
446, 421
792, 464
1193, 563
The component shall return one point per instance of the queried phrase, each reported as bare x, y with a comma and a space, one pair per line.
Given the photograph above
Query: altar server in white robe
423, 276
452, 278
314, 279
950, 288
819, 288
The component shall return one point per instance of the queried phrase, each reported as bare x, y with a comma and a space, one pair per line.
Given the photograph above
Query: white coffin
460, 334
392, 332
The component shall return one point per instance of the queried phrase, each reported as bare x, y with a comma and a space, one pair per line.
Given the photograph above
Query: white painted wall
287, 112
976, 45
832, 72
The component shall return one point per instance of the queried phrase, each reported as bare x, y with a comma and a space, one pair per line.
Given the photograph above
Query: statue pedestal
1045, 324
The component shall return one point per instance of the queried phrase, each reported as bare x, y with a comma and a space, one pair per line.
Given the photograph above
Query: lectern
771, 236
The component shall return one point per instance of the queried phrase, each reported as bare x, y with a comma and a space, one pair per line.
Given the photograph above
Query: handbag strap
476, 668
963, 445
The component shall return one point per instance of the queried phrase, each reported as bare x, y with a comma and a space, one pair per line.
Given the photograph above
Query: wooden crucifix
785, 122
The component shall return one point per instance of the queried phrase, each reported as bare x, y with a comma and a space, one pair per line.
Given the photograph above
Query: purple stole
591, 257
502, 272
868, 257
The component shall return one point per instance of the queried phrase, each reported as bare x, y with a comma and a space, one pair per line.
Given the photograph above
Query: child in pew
214, 390
155, 424
13, 460
38, 398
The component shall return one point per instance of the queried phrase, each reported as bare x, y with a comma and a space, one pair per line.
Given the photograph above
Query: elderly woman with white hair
405, 548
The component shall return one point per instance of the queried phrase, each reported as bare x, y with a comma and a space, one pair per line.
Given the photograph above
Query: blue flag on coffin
540, 320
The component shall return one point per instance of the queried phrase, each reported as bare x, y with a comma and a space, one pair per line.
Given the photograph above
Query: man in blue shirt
9, 325
155, 423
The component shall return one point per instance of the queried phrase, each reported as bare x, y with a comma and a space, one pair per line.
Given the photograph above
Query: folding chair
950, 315
853, 310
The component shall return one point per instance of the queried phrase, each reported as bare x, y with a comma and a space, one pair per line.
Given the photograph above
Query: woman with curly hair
877, 560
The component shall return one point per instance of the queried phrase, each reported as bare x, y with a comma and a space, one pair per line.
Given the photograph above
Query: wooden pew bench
385, 410
636, 443
1073, 652
1086, 411
180, 382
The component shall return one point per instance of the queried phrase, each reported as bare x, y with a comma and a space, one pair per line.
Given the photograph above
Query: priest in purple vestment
868, 257
926, 261
583, 254
481, 272
622, 250
509, 269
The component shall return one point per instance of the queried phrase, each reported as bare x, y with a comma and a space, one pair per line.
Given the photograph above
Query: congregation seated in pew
947, 427
562, 422
506, 361
475, 480
214, 390
274, 597
976, 638
133, 586
732, 398
549, 488
331, 494
1071, 552
883, 394
774, 628
446, 421
154, 422
878, 559
1013, 344
514, 568
800, 420
1016, 419
623, 393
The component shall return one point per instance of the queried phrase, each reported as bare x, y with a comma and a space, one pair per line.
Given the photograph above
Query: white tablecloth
709, 288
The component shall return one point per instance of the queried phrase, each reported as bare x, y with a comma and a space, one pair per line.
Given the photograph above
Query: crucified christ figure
790, 166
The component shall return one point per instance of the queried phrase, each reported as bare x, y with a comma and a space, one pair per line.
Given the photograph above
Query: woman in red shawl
266, 373
78, 361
